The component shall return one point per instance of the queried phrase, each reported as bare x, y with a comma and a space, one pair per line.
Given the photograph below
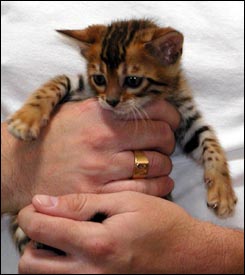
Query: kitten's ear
86, 37
166, 45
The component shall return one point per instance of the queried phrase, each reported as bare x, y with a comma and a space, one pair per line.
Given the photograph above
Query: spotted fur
142, 52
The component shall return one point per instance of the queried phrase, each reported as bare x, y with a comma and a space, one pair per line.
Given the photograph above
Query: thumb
84, 207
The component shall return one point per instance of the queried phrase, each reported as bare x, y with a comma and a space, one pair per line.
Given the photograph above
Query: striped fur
118, 36
123, 54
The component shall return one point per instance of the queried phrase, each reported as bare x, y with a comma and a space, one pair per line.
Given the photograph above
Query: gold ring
141, 165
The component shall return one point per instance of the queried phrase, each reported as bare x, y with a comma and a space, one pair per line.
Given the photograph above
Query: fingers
146, 135
161, 110
156, 131
63, 222
39, 261
61, 233
123, 165
81, 207
160, 187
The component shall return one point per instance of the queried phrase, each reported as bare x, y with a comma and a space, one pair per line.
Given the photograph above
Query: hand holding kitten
79, 152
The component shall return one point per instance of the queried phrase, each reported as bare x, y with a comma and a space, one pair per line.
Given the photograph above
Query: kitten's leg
200, 141
27, 121
217, 176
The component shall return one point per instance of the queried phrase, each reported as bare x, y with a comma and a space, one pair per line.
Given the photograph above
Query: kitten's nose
112, 102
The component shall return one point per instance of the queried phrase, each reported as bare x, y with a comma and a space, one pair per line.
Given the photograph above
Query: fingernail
46, 201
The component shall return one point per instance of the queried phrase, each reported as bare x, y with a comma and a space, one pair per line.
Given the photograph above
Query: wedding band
141, 165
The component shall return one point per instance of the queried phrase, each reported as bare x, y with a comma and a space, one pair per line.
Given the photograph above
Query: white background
213, 60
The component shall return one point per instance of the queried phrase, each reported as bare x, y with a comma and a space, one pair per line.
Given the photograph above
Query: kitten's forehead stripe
117, 38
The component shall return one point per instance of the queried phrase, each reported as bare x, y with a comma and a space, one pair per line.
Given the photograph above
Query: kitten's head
130, 62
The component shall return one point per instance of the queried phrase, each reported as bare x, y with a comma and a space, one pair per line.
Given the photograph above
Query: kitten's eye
133, 81
99, 79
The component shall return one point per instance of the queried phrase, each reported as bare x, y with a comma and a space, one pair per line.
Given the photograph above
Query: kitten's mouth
125, 108
105, 105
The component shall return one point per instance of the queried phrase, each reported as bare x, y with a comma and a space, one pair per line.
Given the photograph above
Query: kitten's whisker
141, 115
145, 113
136, 121
138, 112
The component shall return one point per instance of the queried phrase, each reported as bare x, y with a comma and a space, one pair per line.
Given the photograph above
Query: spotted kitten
131, 63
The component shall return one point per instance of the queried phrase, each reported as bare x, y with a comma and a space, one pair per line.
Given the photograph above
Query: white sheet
213, 59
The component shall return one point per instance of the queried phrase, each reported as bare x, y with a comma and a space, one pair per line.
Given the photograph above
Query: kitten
131, 63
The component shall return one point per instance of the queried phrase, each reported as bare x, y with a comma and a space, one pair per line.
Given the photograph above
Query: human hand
141, 234
87, 149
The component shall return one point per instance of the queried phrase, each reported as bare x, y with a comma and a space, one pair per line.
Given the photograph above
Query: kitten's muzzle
112, 102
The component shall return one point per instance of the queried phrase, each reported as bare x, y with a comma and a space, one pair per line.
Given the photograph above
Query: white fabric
213, 60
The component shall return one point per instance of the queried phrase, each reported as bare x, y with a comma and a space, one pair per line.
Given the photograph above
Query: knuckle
77, 203
102, 247
159, 189
100, 138
94, 167
141, 187
34, 229
163, 186
161, 163
157, 161
168, 165
168, 138
165, 128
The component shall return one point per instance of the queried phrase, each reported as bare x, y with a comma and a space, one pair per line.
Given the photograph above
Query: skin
142, 234
85, 149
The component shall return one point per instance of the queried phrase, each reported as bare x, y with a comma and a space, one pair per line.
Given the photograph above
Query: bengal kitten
129, 64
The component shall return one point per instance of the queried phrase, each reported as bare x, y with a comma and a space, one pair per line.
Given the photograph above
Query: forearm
234, 251
11, 176
214, 249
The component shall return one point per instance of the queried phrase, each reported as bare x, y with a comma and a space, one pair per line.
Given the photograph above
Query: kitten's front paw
221, 196
27, 122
